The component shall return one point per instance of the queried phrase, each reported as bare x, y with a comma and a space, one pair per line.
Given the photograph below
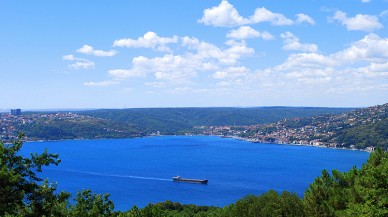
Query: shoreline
221, 136
291, 144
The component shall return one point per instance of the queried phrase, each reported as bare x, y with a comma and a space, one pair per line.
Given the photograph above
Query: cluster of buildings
10, 123
315, 131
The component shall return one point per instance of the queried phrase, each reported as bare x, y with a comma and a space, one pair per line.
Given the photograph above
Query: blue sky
202, 53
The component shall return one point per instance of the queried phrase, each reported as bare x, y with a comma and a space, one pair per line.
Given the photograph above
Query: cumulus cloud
199, 57
100, 83
362, 66
291, 42
264, 15
361, 22
371, 48
303, 18
68, 57
80, 63
224, 15
87, 49
149, 40
231, 73
245, 32
208, 51
121, 74
374, 70
384, 13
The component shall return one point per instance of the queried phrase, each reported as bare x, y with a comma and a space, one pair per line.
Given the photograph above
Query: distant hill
57, 126
364, 127
177, 120
359, 128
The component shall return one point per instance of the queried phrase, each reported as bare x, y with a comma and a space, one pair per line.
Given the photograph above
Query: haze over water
139, 171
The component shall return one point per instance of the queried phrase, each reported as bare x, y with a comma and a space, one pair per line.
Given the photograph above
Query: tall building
16, 112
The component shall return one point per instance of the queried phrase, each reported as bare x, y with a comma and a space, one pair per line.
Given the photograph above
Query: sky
193, 53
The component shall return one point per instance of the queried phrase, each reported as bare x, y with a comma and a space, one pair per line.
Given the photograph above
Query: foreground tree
354, 193
23, 193
90, 204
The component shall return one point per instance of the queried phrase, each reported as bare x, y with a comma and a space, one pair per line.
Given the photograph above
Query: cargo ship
197, 181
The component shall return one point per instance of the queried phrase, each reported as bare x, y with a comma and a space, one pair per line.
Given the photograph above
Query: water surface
138, 171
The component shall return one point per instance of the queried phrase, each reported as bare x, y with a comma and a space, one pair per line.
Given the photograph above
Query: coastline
291, 144
221, 136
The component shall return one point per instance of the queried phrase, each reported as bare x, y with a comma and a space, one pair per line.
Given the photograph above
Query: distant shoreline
291, 144
221, 136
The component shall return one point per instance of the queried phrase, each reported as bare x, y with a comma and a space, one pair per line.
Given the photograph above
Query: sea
139, 171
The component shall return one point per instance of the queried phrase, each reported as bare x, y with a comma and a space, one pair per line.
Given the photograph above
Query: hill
67, 125
359, 129
178, 120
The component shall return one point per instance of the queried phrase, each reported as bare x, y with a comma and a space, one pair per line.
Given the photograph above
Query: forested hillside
364, 128
176, 120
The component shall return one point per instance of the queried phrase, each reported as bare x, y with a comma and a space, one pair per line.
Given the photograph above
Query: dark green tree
354, 193
22, 191
90, 204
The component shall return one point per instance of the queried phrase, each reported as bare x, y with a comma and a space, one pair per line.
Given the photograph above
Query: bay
139, 171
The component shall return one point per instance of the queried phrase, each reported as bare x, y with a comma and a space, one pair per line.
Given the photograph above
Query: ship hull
196, 181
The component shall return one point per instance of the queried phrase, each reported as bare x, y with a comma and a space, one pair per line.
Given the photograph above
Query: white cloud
303, 18
359, 22
245, 32
209, 51
374, 70
365, 1
291, 42
87, 49
121, 74
384, 13
80, 63
68, 57
363, 66
175, 70
224, 15
370, 48
231, 73
264, 15
149, 40
100, 83
220, 74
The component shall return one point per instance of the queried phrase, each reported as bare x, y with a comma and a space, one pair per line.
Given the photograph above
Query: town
317, 131
320, 131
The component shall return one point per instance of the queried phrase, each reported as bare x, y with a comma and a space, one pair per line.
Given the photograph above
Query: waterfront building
16, 112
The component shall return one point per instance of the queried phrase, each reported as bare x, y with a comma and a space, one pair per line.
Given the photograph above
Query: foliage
375, 134
23, 193
85, 127
178, 120
354, 193
268, 204
90, 204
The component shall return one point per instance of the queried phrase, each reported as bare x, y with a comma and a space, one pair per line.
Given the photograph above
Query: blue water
138, 171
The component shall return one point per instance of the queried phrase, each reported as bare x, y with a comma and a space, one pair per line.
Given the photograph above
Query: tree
354, 193
21, 192
90, 204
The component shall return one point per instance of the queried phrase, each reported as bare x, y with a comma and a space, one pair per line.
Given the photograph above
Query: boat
197, 181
